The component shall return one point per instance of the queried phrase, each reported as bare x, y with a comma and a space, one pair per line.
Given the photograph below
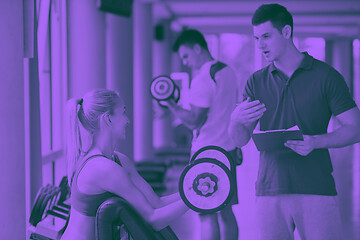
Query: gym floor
188, 227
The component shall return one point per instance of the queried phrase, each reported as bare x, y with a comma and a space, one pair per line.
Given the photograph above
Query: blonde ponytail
73, 136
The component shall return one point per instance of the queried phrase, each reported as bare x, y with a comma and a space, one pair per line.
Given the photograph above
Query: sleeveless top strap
78, 169
116, 159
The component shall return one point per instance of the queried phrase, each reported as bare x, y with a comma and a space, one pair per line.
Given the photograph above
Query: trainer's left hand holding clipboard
273, 140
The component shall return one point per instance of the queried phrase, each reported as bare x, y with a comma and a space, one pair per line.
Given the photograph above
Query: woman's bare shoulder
101, 165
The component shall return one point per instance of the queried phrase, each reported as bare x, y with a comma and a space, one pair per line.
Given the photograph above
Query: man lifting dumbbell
212, 99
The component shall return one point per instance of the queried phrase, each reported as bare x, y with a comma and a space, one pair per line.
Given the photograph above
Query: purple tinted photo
142, 114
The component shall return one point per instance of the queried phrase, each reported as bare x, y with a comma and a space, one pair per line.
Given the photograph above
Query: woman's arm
149, 193
151, 196
147, 190
171, 198
111, 177
140, 182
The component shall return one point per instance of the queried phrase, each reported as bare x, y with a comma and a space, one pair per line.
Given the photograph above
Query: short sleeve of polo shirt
337, 93
249, 89
201, 92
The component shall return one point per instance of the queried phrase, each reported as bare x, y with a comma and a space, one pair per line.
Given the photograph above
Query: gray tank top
84, 203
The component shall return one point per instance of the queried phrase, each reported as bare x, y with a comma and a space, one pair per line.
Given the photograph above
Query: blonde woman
98, 172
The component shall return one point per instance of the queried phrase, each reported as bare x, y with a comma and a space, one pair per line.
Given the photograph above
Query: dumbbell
163, 88
64, 192
216, 152
206, 185
47, 196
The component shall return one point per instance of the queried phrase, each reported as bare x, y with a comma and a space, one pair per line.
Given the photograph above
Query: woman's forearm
170, 198
162, 217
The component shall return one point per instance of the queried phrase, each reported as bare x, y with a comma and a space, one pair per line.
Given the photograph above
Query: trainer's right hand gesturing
243, 121
248, 112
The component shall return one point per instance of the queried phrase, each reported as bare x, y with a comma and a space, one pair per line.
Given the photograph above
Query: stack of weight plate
50, 212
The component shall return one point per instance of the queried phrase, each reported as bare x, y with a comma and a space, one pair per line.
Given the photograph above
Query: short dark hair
278, 15
189, 38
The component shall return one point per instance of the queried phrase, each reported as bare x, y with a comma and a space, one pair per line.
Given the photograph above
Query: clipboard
274, 139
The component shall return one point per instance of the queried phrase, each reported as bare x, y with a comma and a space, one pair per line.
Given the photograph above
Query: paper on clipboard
274, 139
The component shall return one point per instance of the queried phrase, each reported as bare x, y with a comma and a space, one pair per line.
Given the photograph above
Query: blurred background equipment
119, 7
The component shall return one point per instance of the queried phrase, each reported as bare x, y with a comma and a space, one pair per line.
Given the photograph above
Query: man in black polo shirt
295, 186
